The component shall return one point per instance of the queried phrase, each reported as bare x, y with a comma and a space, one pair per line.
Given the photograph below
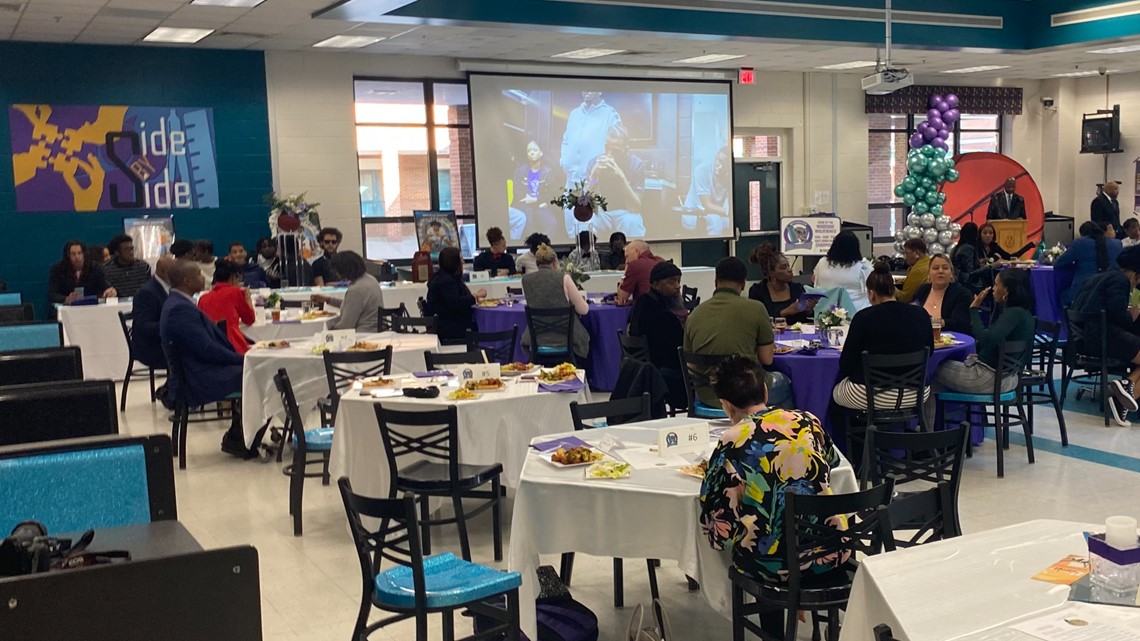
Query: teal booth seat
88, 483
30, 335
10, 298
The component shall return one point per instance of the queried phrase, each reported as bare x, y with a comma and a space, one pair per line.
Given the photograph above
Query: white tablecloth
260, 400
971, 587
95, 330
305, 293
290, 330
655, 513
494, 428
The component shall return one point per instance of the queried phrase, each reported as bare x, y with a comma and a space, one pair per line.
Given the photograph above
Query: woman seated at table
450, 300
989, 251
360, 307
965, 259
779, 293
886, 327
549, 288
496, 259
659, 316
943, 298
766, 451
845, 267
73, 273
227, 301
1091, 254
1012, 321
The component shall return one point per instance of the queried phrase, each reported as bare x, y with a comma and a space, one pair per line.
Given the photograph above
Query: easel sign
808, 235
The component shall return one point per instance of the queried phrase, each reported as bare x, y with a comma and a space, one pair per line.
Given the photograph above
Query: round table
814, 376
602, 323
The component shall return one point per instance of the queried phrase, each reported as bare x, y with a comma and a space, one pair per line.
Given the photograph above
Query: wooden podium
1010, 234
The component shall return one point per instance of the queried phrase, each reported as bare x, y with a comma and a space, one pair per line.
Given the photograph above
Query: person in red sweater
226, 301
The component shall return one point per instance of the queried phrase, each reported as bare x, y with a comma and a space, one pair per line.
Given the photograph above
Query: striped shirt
126, 280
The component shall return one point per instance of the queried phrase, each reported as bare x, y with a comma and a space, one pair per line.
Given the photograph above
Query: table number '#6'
683, 439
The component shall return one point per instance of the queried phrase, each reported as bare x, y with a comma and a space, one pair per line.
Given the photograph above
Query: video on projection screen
660, 152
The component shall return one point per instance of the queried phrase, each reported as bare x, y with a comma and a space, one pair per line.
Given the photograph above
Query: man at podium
1006, 204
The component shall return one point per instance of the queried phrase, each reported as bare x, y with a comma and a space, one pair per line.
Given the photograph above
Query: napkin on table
573, 385
432, 374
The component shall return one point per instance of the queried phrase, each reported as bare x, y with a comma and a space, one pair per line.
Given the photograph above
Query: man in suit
147, 308
211, 366
1006, 204
1105, 209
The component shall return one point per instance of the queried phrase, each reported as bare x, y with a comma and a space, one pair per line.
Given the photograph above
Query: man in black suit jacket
1006, 204
147, 308
1105, 209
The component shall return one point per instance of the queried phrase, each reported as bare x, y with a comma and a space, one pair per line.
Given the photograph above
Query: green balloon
949, 163
938, 167
926, 183
929, 150
952, 175
931, 198
919, 192
941, 196
909, 183
937, 209
912, 152
917, 164
909, 200
899, 191
921, 207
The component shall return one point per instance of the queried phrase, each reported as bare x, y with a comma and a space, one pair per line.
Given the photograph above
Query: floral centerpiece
273, 301
1052, 254
583, 201
577, 275
833, 316
289, 213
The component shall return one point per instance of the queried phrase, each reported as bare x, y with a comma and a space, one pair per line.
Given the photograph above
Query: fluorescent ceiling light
348, 42
977, 69
180, 36
1079, 74
708, 59
854, 64
246, 4
1121, 49
587, 53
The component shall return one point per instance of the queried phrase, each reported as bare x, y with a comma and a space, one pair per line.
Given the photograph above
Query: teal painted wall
231, 82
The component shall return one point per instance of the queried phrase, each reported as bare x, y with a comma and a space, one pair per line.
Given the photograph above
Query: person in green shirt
915, 252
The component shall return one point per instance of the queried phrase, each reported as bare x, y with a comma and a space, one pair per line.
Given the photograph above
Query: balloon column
929, 165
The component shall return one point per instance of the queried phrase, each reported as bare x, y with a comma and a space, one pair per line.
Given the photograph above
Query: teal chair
10, 298
30, 335
551, 335
318, 441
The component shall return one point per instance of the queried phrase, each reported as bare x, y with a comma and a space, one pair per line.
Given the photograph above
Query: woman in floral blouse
767, 451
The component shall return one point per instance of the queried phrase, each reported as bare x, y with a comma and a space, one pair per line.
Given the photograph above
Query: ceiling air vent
137, 14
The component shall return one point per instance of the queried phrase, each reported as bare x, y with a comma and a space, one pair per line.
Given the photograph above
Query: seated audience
204, 255
914, 250
98, 255
229, 302
766, 452
777, 291
1109, 291
968, 270
496, 259
210, 364
146, 309
639, 261
548, 288
615, 258
584, 257
360, 307
181, 248
844, 266
943, 298
323, 272
268, 261
659, 316
728, 324
124, 272
73, 277
526, 263
249, 273
989, 252
449, 299
1131, 233
1092, 253
886, 327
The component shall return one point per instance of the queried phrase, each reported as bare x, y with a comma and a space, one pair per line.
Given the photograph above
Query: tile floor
311, 585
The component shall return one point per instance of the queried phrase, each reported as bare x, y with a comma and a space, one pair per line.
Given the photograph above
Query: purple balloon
952, 100
938, 142
944, 134
937, 124
933, 113
942, 107
929, 134
934, 100
942, 145
951, 116
916, 140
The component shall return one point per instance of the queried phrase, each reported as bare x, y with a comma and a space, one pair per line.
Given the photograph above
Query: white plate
386, 393
546, 456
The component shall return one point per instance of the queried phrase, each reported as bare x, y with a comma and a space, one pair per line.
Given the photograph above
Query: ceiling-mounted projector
886, 81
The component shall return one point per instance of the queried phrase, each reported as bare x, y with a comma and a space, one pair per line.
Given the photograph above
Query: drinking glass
306, 307
936, 327
780, 325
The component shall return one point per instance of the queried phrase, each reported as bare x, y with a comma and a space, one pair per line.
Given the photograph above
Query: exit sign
747, 76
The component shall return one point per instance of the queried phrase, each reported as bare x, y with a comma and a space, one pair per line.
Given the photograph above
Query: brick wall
462, 172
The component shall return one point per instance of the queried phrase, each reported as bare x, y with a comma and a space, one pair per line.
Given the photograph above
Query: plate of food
489, 302
697, 470
609, 470
563, 372
784, 349
486, 385
317, 313
572, 456
377, 382
517, 369
363, 346
946, 340
462, 394
271, 344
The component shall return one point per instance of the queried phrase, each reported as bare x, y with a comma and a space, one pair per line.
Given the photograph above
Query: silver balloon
950, 249
900, 235
927, 220
898, 245
936, 248
945, 237
942, 223
897, 255
913, 232
912, 220
955, 227
930, 236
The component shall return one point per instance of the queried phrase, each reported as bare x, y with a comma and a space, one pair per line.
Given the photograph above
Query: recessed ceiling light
1120, 49
707, 59
246, 4
348, 42
180, 36
977, 69
1079, 74
854, 64
586, 54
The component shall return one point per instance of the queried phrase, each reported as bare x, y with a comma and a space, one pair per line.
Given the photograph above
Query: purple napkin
573, 385
432, 373
565, 443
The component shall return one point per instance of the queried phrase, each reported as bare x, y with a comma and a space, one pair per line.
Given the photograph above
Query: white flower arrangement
833, 316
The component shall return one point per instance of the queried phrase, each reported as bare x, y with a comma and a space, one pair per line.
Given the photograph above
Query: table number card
337, 340
479, 277
682, 439
477, 372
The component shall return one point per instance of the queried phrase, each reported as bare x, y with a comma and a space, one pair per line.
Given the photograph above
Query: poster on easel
808, 235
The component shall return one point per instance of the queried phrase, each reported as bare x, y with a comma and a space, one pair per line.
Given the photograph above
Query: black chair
883, 632
514, 291
433, 437
635, 347
499, 347
807, 539
1095, 361
17, 313
41, 366
551, 332
414, 325
931, 515
689, 297
895, 389
698, 371
435, 361
997, 405
341, 369
59, 410
455, 585
125, 322
180, 417
385, 316
1037, 385
317, 441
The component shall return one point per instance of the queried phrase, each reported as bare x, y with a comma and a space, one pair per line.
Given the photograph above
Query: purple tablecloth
814, 377
1047, 286
602, 323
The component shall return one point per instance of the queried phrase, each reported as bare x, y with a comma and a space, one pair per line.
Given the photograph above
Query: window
413, 143
756, 146
888, 137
